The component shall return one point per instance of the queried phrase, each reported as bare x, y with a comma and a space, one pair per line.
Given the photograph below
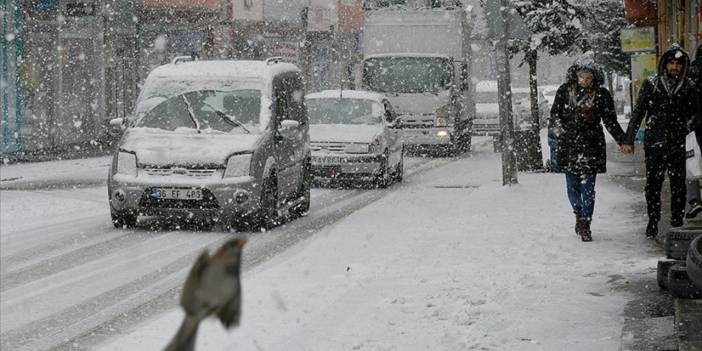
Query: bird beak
241, 241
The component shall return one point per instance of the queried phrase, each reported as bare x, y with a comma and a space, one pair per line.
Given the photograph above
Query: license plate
177, 193
327, 160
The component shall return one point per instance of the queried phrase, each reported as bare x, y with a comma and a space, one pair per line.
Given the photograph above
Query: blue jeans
581, 193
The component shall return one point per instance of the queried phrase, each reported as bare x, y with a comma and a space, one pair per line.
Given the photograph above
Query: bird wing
190, 296
230, 313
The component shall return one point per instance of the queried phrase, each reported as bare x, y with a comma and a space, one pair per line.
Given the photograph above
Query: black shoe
578, 225
676, 222
585, 233
695, 209
652, 229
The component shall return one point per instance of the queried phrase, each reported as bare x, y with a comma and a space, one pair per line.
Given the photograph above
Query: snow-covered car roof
407, 54
549, 87
348, 94
491, 86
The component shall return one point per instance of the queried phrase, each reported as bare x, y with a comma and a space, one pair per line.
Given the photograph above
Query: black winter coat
581, 144
669, 111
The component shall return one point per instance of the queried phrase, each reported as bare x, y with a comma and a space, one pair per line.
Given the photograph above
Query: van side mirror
118, 124
288, 128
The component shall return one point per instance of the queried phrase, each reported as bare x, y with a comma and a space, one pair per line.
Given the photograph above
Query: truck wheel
467, 142
694, 261
677, 241
123, 219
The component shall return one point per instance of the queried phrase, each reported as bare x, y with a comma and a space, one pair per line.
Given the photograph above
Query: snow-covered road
68, 274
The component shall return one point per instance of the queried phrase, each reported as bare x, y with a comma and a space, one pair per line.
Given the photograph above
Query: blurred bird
212, 288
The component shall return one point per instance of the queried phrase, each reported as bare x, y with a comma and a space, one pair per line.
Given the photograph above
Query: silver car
355, 135
224, 140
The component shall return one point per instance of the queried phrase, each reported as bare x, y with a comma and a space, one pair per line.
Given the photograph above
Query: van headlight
442, 116
238, 165
126, 163
374, 147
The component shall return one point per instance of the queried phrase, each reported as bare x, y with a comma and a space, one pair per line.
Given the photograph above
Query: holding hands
627, 149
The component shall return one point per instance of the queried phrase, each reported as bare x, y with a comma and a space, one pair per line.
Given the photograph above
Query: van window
288, 95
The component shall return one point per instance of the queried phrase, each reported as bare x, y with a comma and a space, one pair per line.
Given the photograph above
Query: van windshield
160, 88
341, 111
407, 74
236, 111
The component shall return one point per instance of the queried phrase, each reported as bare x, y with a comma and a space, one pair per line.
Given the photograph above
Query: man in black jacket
693, 188
669, 103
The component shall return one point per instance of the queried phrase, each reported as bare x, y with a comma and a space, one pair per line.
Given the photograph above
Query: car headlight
356, 149
238, 165
374, 147
442, 116
126, 163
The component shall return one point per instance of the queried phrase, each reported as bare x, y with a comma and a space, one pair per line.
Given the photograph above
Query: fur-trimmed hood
588, 63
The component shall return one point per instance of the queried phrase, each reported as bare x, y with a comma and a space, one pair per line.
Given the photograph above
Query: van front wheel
268, 213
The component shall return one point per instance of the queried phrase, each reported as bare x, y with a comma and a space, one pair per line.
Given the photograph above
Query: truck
420, 58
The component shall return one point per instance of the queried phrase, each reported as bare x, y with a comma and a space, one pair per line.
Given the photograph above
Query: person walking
580, 107
693, 186
668, 101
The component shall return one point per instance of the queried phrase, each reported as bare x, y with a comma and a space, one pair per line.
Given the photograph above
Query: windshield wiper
228, 118
191, 113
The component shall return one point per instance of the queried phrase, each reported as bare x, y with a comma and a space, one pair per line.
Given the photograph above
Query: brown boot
585, 233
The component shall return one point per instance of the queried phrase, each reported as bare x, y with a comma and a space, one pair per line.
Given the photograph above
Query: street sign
640, 39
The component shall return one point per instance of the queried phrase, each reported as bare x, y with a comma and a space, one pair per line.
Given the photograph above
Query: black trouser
658, 161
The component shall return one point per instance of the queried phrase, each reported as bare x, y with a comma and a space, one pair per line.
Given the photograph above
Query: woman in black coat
580, 107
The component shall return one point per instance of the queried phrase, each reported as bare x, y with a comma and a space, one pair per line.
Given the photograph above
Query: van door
289, 150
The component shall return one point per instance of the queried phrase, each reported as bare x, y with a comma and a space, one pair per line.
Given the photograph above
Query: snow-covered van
227, 141
420, 58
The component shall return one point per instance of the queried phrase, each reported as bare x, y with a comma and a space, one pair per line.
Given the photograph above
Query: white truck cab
420, 58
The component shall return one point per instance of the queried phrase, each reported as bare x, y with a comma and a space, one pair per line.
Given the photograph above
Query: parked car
355, 135
487, 113
549, 94
223, 140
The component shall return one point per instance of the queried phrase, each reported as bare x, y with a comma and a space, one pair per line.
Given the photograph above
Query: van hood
159, 147
422, 103
344, 133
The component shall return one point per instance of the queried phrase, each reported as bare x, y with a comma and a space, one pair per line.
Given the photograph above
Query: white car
487, 113
354, 135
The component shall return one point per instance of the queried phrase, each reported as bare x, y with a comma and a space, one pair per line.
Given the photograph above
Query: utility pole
499, 32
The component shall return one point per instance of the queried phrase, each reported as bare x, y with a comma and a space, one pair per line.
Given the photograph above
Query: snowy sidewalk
450, 260
55, 174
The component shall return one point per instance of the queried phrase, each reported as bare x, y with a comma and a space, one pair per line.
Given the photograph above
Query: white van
223, 140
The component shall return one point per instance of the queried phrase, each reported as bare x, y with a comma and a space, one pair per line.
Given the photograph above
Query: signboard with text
640, 39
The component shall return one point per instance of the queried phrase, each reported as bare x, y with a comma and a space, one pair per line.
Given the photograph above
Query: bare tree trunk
531, 158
